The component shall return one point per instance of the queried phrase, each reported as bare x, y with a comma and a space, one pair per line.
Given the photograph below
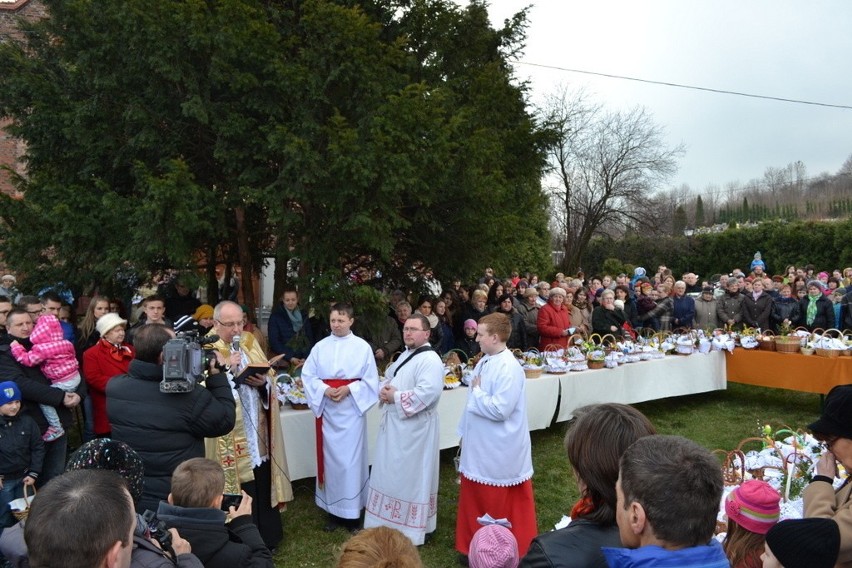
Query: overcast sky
781, 48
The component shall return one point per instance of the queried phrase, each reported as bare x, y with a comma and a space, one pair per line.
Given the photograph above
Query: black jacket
21, 447
757, 313
166, 429
35, 387
576, 546
786, 308
824, 316
235, 545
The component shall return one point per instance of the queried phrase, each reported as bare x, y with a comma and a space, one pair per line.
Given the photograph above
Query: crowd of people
646, 499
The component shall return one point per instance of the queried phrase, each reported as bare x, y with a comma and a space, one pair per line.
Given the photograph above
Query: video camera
185, 360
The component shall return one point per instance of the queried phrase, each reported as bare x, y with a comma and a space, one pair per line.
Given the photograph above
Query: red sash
333, 383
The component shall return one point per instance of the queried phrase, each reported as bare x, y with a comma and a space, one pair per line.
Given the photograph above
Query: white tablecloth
636, 382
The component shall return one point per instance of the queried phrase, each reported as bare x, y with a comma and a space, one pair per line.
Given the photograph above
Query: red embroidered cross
228, 461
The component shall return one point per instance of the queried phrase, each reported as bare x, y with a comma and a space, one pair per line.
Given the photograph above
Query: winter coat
757, 313
21, 447
280, 331
101, 363
576, 546
552, 322
824, 315
786, 309
730, 307
35, 387
603, 319
530, 315
235, 545
705, 314
166, 429
821, 500
683, 311
518, 336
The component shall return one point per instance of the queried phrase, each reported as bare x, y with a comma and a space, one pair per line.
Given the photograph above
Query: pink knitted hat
493, 546
754, 505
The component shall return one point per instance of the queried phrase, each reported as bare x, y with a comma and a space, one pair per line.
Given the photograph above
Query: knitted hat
823, 275
836, 419
8, 277
816, 283
754, 506
531, 291
493, 546
203, 311
107, 322
111, 455
805, 543
707, 289
522, 282
9, 392
639, 272
558, 291
470, 324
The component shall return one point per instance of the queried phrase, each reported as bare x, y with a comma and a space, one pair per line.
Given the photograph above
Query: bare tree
605, 168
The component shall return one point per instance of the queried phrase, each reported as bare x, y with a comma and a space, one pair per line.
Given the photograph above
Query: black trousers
266, 517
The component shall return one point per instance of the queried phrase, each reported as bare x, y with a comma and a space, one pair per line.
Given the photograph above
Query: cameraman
165, 429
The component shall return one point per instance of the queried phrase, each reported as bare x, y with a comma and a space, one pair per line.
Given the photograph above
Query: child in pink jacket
58, 363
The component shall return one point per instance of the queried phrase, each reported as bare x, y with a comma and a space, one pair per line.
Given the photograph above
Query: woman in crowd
623, 293
472, 310
757, 307
582, 315
705, 310
789, 274
529, 310
87, 334
446, 323
520, 290
786, 309
816, 309
606, 318
846, 281
662, 312
729, 308
595, 442
451, 301
204, 317
494, 292
518, 335
645, 302
834, 429
424, 307
554, 320
109, 357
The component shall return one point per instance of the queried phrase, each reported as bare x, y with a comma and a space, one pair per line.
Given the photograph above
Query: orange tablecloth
806, 373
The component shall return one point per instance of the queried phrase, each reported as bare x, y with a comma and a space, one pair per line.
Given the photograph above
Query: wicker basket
298, 405
768, 342
596, 364
829, 353
787, 343
533, 373
28, 499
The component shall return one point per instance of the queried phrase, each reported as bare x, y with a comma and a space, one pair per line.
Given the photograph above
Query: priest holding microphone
252, 455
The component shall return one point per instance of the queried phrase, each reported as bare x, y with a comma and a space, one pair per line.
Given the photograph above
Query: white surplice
344, 426
404, 480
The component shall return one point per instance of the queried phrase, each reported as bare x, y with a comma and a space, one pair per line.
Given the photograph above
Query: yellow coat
231, 450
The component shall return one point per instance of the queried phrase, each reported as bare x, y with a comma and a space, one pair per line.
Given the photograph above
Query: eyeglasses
413, 329
34, 312
4, 312
231, 324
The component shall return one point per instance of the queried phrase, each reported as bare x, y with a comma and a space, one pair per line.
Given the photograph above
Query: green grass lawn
715, 420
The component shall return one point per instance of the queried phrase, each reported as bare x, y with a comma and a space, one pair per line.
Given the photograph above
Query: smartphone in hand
231, 500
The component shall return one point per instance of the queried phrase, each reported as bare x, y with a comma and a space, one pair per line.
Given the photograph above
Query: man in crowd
5, 309
252, 451
290, 332
195, 508
668, 494
181, 302
404, 480
165, 429
32, 305
153, 311
82, 518
693, 286
341, 384
36, 389
51, 304
683, 307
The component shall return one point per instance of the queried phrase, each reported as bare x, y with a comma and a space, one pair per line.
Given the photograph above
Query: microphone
235, 344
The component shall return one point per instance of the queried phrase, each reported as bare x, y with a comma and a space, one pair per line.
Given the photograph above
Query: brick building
10, 13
